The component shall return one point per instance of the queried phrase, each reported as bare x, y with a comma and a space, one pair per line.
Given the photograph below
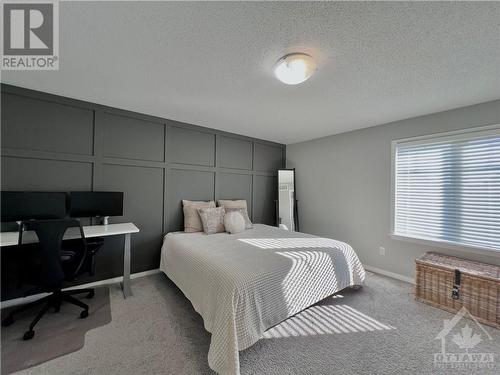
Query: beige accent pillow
237, 205
192, 221
232, 203
212, 219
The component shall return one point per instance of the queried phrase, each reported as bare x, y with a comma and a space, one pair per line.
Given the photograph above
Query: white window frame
457, 134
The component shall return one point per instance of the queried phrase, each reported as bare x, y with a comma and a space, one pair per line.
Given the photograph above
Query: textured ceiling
211, 63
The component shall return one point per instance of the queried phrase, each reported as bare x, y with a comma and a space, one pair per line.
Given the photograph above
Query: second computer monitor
95, 203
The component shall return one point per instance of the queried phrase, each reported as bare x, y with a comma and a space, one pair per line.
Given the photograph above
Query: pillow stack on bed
230, 216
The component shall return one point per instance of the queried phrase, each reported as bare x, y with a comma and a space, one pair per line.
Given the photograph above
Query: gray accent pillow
192, 221
212, 219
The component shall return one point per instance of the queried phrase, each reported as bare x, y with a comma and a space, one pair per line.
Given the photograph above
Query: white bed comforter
243, 284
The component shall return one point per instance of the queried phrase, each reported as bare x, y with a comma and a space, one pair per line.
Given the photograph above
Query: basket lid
467, 266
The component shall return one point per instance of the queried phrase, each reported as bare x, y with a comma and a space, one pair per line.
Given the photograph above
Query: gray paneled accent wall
53, 143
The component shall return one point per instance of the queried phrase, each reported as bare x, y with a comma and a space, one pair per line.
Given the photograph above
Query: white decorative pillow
212, 219
237, 205
192, 221
234, 222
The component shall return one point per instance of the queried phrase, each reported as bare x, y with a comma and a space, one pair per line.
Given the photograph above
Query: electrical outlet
381, 250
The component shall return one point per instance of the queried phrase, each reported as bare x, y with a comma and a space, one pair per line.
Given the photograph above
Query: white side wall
343, 185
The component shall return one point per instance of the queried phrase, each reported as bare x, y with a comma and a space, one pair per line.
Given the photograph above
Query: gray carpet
379, 329
55, 334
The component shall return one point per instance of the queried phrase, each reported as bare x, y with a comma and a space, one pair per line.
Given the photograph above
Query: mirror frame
295, 210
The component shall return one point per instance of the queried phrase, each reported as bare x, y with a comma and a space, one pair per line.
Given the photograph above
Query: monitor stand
105, 220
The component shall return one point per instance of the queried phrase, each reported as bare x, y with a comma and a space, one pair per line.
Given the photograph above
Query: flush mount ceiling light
294, 68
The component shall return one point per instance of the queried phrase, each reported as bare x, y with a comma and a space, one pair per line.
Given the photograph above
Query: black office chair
52, 261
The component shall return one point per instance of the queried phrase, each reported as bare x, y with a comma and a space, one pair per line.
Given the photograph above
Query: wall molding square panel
143, 205
192, 147
132, 138
267, 158
45, 175
187, 184
235, 186
234, 153
264, 196
37, 125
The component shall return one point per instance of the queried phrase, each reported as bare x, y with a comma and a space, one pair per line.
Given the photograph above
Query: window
446, 188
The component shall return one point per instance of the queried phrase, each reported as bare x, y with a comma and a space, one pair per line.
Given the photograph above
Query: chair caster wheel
7, 321
84, 314
28, 335
90, 295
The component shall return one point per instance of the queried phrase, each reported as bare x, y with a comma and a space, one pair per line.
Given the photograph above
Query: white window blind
447, 189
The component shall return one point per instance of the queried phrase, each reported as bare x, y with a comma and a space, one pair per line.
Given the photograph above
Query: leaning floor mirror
286, 210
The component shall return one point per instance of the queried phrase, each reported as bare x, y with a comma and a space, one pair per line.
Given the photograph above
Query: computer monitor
27, 205
95, 203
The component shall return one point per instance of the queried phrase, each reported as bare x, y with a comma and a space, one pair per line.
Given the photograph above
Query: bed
243, 284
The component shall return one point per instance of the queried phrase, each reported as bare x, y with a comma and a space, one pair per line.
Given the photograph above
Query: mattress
243, 284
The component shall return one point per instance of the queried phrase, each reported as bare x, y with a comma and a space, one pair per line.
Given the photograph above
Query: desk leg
126, 268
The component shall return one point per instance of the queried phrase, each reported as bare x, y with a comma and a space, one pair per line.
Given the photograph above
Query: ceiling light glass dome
294, 68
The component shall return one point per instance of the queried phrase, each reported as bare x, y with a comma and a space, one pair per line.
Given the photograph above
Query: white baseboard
394, 275
34, 297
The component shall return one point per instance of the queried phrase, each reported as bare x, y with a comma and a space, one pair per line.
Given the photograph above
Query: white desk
126, 229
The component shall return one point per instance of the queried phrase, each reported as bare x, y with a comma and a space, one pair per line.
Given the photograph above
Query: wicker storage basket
450, 283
